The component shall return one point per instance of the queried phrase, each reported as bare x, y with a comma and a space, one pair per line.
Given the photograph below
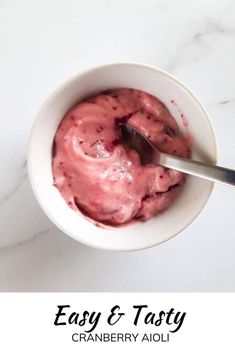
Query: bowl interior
137, 235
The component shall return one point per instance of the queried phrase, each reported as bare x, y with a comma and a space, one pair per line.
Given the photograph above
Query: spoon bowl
150, 154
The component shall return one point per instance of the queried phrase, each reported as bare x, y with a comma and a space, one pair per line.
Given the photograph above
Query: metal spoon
150, 154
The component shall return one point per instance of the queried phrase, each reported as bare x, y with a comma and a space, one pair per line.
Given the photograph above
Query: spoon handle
214, 173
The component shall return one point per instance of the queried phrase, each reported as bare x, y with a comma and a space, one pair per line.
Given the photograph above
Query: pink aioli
94, 171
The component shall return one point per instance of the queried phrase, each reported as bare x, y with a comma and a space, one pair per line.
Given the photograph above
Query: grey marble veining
195, 40
8, 195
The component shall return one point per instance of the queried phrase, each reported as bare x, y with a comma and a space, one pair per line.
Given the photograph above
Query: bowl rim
69, 81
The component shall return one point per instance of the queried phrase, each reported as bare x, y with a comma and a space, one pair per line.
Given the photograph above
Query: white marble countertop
45, 42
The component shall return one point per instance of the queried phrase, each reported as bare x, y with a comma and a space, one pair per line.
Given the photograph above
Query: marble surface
45, 42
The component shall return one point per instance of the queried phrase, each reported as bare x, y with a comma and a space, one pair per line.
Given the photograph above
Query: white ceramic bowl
138, 235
